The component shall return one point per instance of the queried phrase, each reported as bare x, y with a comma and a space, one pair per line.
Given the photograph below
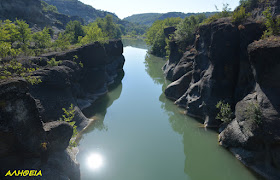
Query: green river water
141, 135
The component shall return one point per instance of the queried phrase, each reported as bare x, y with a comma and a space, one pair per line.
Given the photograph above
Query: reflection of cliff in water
137, 43
98, 109
200, 161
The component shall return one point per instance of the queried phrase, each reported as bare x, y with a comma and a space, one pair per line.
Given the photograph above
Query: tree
93, 33
42, 39
24, 32
155, 35
184, 35
75, 30
111, 29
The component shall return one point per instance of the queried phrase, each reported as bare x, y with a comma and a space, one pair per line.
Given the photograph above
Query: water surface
141, 135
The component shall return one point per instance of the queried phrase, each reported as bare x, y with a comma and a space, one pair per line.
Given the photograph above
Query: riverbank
35, 137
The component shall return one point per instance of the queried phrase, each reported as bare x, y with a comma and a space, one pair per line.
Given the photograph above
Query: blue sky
124, 8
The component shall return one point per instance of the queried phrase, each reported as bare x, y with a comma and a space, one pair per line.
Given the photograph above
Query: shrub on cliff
15, 69
272, 24
226, 12
253, 112
240, 15
68, 116
225, 114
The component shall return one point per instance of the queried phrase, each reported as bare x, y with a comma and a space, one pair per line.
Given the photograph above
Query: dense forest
149, 18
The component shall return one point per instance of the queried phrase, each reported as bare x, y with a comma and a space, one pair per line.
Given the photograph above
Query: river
140, 135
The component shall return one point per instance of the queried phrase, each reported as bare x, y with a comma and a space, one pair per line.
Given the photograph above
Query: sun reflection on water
95, 161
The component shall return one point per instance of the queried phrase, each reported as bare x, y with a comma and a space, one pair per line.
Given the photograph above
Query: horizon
146, 6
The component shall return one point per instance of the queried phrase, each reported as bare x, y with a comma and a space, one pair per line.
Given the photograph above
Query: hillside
33, 13
149, 18
77, 8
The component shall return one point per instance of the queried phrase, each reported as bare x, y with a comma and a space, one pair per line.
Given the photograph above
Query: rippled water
141, 135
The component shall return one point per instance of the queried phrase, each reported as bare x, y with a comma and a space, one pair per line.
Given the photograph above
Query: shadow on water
201, 148
98, 109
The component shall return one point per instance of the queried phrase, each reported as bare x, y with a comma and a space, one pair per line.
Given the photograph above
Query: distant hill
149, 18
77, 8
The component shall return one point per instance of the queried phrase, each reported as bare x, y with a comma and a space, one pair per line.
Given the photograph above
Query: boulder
58, 134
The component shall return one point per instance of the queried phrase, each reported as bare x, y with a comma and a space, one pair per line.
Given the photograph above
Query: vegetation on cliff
184, 34
156, 37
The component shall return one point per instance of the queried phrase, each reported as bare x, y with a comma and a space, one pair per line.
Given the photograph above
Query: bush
15, 69
253, 112
272, 24
68, 116
240, 15
225, 13
225, 114
53, 62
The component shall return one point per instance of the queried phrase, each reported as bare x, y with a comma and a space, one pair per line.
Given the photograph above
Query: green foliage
253, 112
74, 29
7, 50
93, 33
240, 15
249, 5
76, 60
62, 42
24, 32
53, 62
226, 12
108, 27
42, 39
68, 116
184, 35
15, 69
48, 8
225, 114
155, 35
272, 24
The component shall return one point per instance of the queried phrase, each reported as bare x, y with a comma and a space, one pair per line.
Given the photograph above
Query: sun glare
95, 161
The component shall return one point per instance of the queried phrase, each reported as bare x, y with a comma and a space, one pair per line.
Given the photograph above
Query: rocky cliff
228, 64
31, 137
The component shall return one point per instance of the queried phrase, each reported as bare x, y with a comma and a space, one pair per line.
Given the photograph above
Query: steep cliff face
29, 114
22, 135
31, 11
228, 64
215, 69
255, 140
69, 83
